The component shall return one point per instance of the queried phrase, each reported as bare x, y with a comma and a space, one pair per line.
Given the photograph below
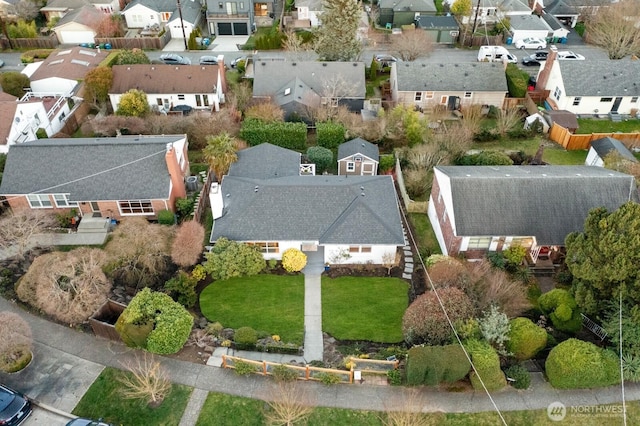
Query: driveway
228, 43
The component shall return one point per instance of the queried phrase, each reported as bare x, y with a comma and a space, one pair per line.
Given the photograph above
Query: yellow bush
293, 260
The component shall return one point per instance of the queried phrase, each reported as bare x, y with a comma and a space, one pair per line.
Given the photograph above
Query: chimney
223, 73
543, 77
179, 189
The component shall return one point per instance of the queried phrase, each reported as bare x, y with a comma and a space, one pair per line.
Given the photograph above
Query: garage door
75, 37
224, 28
240, 28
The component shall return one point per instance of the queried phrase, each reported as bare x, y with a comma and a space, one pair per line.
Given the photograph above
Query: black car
14, 407
173, 59
540, 55
531, 62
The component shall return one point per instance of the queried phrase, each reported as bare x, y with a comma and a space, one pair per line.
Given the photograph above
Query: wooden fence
510, 103
571, 141
103, 321
202, 200
145, 43
308, 372
48, 42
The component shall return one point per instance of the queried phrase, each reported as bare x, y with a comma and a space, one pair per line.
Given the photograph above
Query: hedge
330, 135
517, 81
525, 338
286, 135
562, 309
431, 365
487, 363
578, 364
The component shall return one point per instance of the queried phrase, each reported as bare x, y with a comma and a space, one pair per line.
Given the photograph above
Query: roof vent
362, 194
362, 188
355, 64
293, 64
227, 195
287, 91
263, 63
441, 65
424, 65
255, 189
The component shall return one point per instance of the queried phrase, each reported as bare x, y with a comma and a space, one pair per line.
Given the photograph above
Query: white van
496, 54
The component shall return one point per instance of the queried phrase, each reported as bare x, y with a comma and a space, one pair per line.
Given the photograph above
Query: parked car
208, 60
385, 60
540, 55
87, 422
568, 55
14, 407
234, 63
1, 63
531, 62
531, 43
173, 59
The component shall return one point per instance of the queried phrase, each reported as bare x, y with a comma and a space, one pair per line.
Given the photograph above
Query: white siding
593, 159
53, 85
433, 218
140, 16
375, 256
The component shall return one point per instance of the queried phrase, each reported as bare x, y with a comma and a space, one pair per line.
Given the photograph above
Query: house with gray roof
163, 14
523, 26
358, 157
297, 86
426, 85
78, 25
109, 177
440, 29
491, 11
602, 147
404, 12
592, 87
475, 209
265, 201
59, 8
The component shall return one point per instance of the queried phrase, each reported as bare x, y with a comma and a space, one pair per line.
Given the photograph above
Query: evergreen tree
336, 39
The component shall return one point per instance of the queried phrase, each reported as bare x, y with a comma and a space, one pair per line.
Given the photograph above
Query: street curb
52, 409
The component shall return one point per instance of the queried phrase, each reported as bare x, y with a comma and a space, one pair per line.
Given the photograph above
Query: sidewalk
66, 362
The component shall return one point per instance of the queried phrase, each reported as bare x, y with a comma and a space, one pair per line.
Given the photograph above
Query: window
429, 95
418, 96
39, 201
62, 200
267, 247
606, 99
359, 249
479, 243
164, 16
205, 100
159, 101
181, 97
198, 100
576, 100
557, 93
241, 5
467, 94
135, 207
220, 5
351, 166
62, 117
443, 100
634, 99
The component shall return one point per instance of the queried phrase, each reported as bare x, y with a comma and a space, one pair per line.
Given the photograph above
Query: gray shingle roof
471, 77
601, 78
527, 22
296, 91
358, 146
271, 76
604, 146
157, 5
266, 161
328, 209
409, 5
552, 21
86, 15
514, 6
40, 165
560, 8
548, 202
430, 22
161, 78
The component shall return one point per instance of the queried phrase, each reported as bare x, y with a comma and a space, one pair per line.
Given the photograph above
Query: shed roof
604, 146
358, 146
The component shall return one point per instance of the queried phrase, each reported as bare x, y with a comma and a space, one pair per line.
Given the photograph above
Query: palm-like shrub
293, 260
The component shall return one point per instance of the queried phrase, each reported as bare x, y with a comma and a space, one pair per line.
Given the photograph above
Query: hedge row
286, 135
487, 363
431, 365
517, 81
329, 134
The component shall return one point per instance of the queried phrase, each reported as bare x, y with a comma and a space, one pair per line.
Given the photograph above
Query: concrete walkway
66, 362
313, 342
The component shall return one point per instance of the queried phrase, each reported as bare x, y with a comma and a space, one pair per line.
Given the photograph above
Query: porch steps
615, 117
93, 225
542, 271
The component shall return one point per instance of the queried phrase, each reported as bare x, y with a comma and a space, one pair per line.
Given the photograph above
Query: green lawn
553, 153
372, 84
362, 308
558, 156
587, 125
226, 410
103, 400
269, 303
424, 235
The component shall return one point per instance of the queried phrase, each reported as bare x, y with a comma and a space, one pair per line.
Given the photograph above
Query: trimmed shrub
458, 365
487, 363
163, 326
15, 342
485, 158
329, 134
214, 328
525, 338
28, 56
562, 309
230, 259
328, 378
287, 135
578, 364
282, 373
321, 157
517, 81
293, 260
166, 217
425, 322
520, 376
431, 365
245, 338
182, 288
244, 368
387, 163
394, 377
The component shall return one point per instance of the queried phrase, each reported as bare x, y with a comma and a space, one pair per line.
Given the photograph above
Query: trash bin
326, 268
107, 46
509, 40
563, 40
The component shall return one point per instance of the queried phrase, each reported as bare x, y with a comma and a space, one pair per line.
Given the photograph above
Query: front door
95, 209
616, 104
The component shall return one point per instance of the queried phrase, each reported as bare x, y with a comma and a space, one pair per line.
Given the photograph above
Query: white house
265, 201
78, 26
592, 87
167, 86
164, 13
309, 10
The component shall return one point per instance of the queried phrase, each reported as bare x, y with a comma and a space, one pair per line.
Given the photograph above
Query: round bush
425, 322
322, 157
525, 338
245, 338
166, 217
449, 273
578, 364
520, 376
562, 309
293, 260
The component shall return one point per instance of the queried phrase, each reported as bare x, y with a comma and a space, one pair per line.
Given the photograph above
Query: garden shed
441, 29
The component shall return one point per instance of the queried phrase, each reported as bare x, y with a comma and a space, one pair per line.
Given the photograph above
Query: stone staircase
615, 117
90, 225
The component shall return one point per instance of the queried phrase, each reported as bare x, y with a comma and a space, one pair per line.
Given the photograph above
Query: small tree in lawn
293, 260
133, 104
290, 403
18, 228
230, 259
97, 83
187, 245
15, 342
145, 379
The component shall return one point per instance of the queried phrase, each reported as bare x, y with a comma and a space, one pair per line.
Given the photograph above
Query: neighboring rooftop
604, 146
433, 22
161, 78
527, 23
472, 77
266, 161
604, 78
72, 63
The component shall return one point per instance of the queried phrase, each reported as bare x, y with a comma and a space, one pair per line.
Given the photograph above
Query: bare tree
145, 379
19, 228
615, 28
507, 120
412, 44
240, 97
389, 260
267, 111
291, 404
493, 286
615, 161
406, 410
24, 9
292, 42
187, 246
471, 119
